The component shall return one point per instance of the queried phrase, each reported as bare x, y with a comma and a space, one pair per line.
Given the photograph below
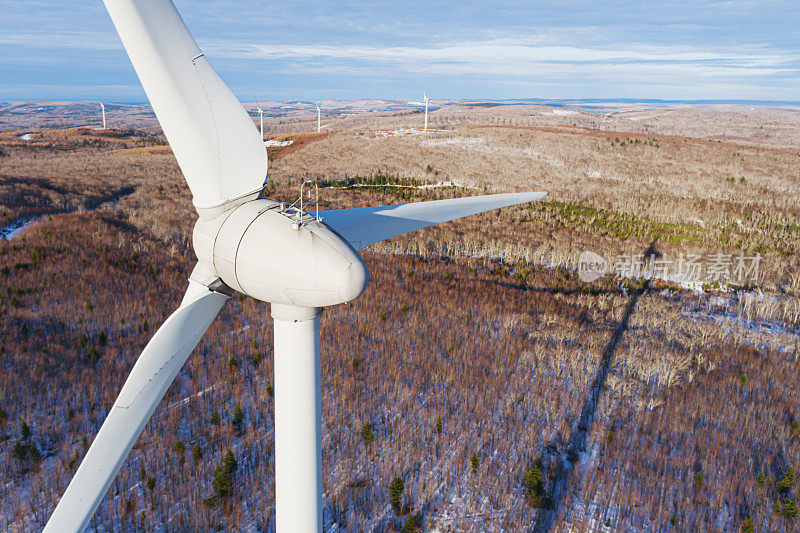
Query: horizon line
623, 100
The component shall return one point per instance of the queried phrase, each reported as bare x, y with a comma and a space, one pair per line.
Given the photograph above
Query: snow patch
592, 174
273, 142
745, 228
480, 144
15, 228
462, 143
397, 133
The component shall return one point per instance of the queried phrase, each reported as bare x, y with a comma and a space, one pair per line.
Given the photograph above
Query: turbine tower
261, 118
103, 112
425, 98
319, 129
244, 243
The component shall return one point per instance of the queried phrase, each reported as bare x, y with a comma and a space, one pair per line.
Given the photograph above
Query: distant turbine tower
261, 116
103, 111
318, 120
425, 97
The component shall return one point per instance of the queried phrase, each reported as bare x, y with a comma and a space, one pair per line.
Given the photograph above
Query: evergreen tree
367, 435
788, 481
179, 451
238, 419
19, 451
395, 493
534, 483
197, 453
222, 479
439, 424
229, 462
410, 525
790, 509
474, 462
222, 483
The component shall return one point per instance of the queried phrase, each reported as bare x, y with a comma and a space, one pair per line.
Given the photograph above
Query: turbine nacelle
279, 255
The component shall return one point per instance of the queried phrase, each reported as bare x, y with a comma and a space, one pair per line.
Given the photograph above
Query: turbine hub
279, 255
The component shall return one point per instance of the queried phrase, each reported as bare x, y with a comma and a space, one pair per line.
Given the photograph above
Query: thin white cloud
484, 51
79, 40
508, 57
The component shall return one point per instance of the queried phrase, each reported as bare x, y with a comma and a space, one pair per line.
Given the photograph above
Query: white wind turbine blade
210, 133
363, 226
152, 374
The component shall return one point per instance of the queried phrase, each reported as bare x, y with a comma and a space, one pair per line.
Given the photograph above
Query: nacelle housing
280, 256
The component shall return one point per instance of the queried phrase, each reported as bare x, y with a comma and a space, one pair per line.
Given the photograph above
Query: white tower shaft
103, 111
298, 457
261, 116
319, 128
426, 113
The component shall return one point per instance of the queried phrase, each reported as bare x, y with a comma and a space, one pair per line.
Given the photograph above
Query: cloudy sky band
315, 50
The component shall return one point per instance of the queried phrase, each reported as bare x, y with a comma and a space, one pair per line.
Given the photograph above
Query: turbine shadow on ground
546, 517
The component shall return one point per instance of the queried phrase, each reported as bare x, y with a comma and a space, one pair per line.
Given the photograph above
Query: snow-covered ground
437, 185
721, 309
273, 142
455, 141
444, 185
480, 144
397, 133
25, 137
15, 228
402, 132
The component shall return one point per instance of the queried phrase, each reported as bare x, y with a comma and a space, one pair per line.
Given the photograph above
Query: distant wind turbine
103, 111
261, 117
318, 120
425, 98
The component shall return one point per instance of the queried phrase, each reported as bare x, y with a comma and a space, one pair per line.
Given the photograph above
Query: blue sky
498, 49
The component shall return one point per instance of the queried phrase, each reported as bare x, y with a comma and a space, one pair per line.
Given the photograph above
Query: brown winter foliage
644, 405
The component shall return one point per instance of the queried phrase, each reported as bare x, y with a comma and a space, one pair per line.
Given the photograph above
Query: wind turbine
319, 129
261, 117
103, 112
425, 98
244, 243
